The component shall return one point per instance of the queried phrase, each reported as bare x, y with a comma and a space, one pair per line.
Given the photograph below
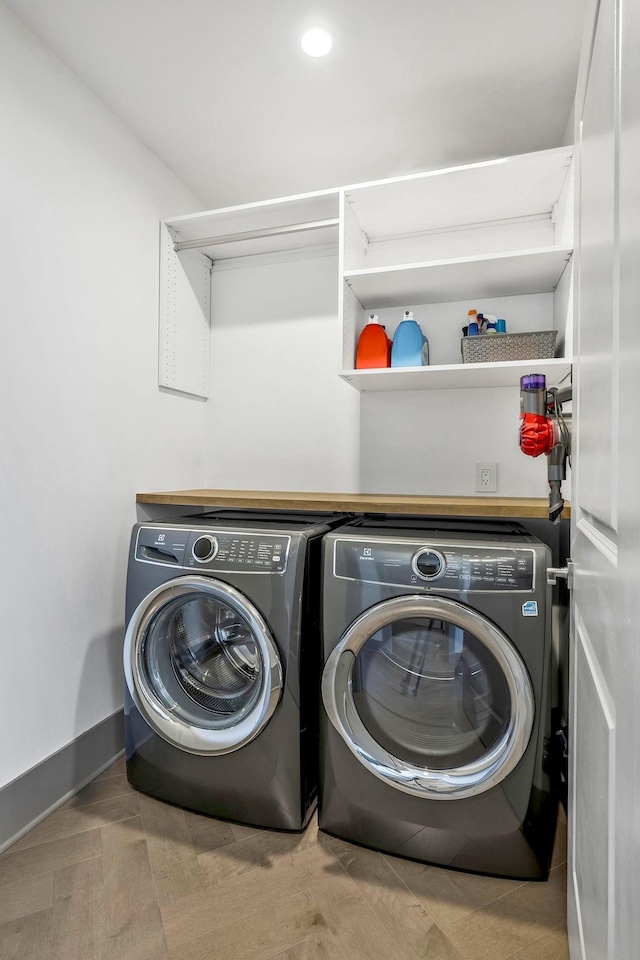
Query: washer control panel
222, 551
458, 568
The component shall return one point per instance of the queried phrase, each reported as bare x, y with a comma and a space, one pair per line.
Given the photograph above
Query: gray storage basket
493, 347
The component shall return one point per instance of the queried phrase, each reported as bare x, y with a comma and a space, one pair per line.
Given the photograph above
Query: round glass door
430, 696
202, 666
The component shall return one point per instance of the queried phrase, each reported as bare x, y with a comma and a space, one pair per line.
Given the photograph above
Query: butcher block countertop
529, 507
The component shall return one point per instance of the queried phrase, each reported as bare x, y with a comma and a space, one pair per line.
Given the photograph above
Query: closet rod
255, 234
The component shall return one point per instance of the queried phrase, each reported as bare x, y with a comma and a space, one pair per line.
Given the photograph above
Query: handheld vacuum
544, 429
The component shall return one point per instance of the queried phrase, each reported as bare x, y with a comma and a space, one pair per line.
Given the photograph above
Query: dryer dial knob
205, 548
428, 564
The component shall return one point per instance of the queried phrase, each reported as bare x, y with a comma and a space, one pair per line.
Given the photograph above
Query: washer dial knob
205, 548
428, 564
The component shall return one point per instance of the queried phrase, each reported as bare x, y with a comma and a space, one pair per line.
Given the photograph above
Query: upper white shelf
494, 190
479, 277
456, 375
271, 226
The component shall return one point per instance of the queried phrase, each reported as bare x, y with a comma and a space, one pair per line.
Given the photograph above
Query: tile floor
116, 875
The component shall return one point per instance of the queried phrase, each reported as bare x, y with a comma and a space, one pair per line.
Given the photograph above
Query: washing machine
436, 727
222, 655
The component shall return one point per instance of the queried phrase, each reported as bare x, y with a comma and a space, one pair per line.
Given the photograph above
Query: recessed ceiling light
316, 43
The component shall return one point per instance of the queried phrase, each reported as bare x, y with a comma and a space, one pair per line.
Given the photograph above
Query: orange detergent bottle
374, 346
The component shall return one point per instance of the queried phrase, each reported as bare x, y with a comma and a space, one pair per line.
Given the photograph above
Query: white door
604, 798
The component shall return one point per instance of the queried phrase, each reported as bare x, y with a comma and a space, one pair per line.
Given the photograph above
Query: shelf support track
256, 234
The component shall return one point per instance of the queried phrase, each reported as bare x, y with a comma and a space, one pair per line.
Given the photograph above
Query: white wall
279, 417
427, 442
84, 425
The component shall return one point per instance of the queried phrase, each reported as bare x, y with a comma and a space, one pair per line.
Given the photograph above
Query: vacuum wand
557, 472
544, 430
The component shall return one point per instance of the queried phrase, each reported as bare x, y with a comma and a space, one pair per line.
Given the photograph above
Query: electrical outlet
486, 477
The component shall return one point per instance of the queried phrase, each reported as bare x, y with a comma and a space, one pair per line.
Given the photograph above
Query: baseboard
35, 794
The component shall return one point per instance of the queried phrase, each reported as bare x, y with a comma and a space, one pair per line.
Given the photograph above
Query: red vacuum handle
537, 434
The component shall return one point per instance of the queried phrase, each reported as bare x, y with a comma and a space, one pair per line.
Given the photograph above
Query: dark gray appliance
436, 689
221, 658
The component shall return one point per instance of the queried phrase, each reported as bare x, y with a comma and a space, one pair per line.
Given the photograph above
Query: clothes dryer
436, 728
221, 661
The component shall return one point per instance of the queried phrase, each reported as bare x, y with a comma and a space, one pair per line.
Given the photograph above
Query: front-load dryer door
202, 666
430, 696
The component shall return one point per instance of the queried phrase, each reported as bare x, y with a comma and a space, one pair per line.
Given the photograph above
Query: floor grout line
234, 920
405, 885
38, 872
211, 888
67, 836
547, 933
472, 910
379, 919
153, 875
155, 954
435, 922
255, 866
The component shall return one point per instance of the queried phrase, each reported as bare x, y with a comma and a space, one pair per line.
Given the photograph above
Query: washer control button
204, 548
428, 564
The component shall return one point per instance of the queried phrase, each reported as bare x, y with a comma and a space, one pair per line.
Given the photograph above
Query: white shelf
469, 235
482, 232
226, 229
493, 190
457, 376
480, 277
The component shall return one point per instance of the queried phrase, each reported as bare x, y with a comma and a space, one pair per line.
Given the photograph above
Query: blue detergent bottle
410, 347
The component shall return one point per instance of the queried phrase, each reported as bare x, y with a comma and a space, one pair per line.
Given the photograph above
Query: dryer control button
428, 564
205, 548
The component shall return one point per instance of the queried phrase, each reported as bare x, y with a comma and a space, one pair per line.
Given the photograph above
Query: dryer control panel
436, 566
213, 551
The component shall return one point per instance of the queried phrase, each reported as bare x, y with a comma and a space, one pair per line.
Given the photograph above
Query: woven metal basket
491, 348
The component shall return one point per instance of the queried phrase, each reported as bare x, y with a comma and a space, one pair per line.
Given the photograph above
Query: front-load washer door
202, 666
430, 696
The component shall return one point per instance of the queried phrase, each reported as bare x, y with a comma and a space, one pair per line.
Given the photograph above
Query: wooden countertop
528, 507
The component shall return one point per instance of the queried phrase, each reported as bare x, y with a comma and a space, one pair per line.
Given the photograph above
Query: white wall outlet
486, 477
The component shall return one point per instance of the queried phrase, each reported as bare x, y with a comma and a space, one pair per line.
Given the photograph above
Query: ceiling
221, 91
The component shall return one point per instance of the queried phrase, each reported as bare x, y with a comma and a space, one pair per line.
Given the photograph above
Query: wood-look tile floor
117, 875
